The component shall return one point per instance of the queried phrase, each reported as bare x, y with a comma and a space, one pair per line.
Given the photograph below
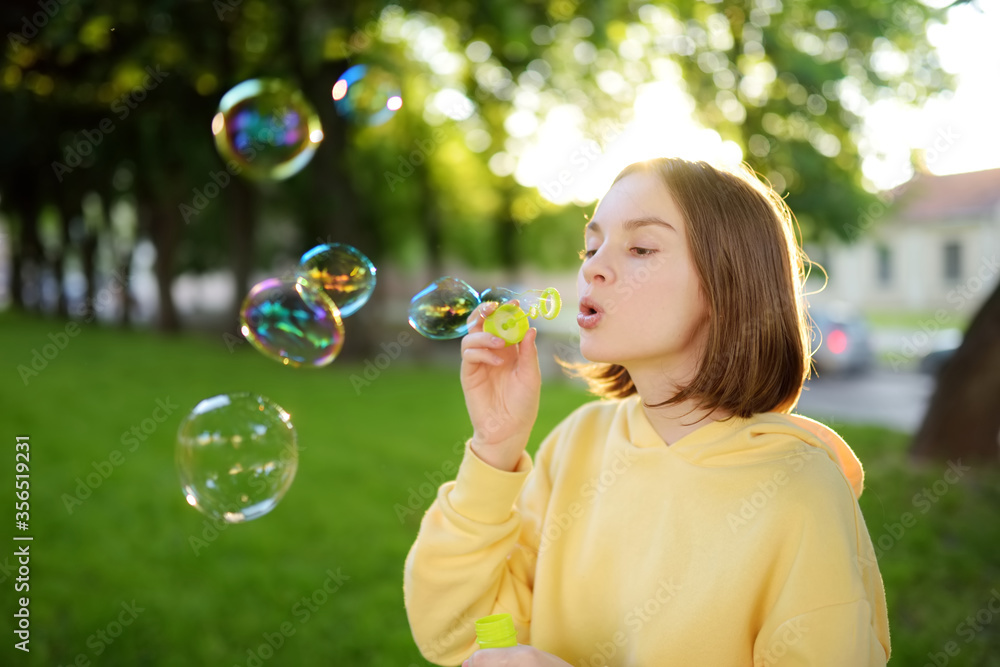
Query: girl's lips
588, 320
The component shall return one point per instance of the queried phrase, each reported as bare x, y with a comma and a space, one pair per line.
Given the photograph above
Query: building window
884, 265
952, 261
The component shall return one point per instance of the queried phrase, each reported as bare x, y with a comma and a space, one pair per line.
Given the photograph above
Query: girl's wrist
501, 456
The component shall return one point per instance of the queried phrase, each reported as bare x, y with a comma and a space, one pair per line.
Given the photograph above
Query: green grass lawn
930, 320
362, 458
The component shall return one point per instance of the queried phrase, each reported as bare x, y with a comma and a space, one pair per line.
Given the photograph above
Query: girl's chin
595, 355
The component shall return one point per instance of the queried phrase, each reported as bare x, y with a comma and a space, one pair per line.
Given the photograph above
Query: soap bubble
236, 456
344, 273
546, 303
267, 128
292, 321
367, 95
497, 294
440, 310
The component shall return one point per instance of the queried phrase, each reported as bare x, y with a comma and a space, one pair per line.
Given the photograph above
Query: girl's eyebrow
632, 224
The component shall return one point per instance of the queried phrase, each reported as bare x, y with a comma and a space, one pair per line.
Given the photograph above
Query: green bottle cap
496, 631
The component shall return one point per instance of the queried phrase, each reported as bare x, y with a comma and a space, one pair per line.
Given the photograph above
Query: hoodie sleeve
827, 602
475, 554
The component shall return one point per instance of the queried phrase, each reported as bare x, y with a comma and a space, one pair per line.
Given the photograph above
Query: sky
958, 134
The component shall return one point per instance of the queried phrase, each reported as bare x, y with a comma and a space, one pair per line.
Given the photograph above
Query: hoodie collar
737, 441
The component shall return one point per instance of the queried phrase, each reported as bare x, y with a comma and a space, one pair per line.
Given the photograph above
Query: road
883, 397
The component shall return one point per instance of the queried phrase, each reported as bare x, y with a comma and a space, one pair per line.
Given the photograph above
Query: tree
963, 420
786, 81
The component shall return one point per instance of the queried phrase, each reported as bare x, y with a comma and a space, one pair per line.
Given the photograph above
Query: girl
686, 519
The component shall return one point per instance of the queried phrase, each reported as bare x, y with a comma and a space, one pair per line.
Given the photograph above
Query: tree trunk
241, 211
164, 229
125, 294
31, 256
88, 257
68, 210
17, 264
963, 419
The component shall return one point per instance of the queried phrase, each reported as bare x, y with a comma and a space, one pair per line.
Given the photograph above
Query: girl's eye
643, 252
586, 254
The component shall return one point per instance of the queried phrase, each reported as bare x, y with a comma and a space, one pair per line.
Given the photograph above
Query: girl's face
641, 303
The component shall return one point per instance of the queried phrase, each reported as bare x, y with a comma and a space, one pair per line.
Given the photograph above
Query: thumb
528, 351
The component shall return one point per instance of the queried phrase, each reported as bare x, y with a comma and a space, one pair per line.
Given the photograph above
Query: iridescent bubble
498, 294
267, 128
236, 456
292, 321
345, 274
367, 95
441, 310
546, 303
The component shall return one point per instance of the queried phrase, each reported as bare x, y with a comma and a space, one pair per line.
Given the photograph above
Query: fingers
475, 320
479, 356
527, 353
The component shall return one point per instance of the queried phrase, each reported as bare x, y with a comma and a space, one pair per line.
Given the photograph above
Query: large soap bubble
236, 456
343, 272
267, 128
367, 95
292, 321
440, 310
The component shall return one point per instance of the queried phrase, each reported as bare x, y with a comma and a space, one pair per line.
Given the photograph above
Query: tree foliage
105, 108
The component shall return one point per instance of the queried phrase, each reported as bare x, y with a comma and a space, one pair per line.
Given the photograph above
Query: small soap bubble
268, 128
344, 273
292, 321
497, 294
441, 310
236, 456
367, 95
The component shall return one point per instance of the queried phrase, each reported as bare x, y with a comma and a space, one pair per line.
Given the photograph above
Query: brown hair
743, 242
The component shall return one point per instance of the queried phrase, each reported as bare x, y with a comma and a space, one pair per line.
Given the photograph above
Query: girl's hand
501, 386
521, 655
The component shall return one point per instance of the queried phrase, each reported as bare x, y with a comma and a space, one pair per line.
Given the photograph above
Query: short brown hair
743, 242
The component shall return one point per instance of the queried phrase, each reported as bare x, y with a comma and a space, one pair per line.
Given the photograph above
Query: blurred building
931, 245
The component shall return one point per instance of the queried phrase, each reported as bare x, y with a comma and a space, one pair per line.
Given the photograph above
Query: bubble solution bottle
496, 631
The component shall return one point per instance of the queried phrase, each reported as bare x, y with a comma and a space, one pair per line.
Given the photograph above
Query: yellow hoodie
740, 544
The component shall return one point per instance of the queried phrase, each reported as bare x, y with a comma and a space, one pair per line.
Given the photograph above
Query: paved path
895, 400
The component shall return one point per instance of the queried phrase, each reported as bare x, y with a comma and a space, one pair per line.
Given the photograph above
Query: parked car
841, 339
